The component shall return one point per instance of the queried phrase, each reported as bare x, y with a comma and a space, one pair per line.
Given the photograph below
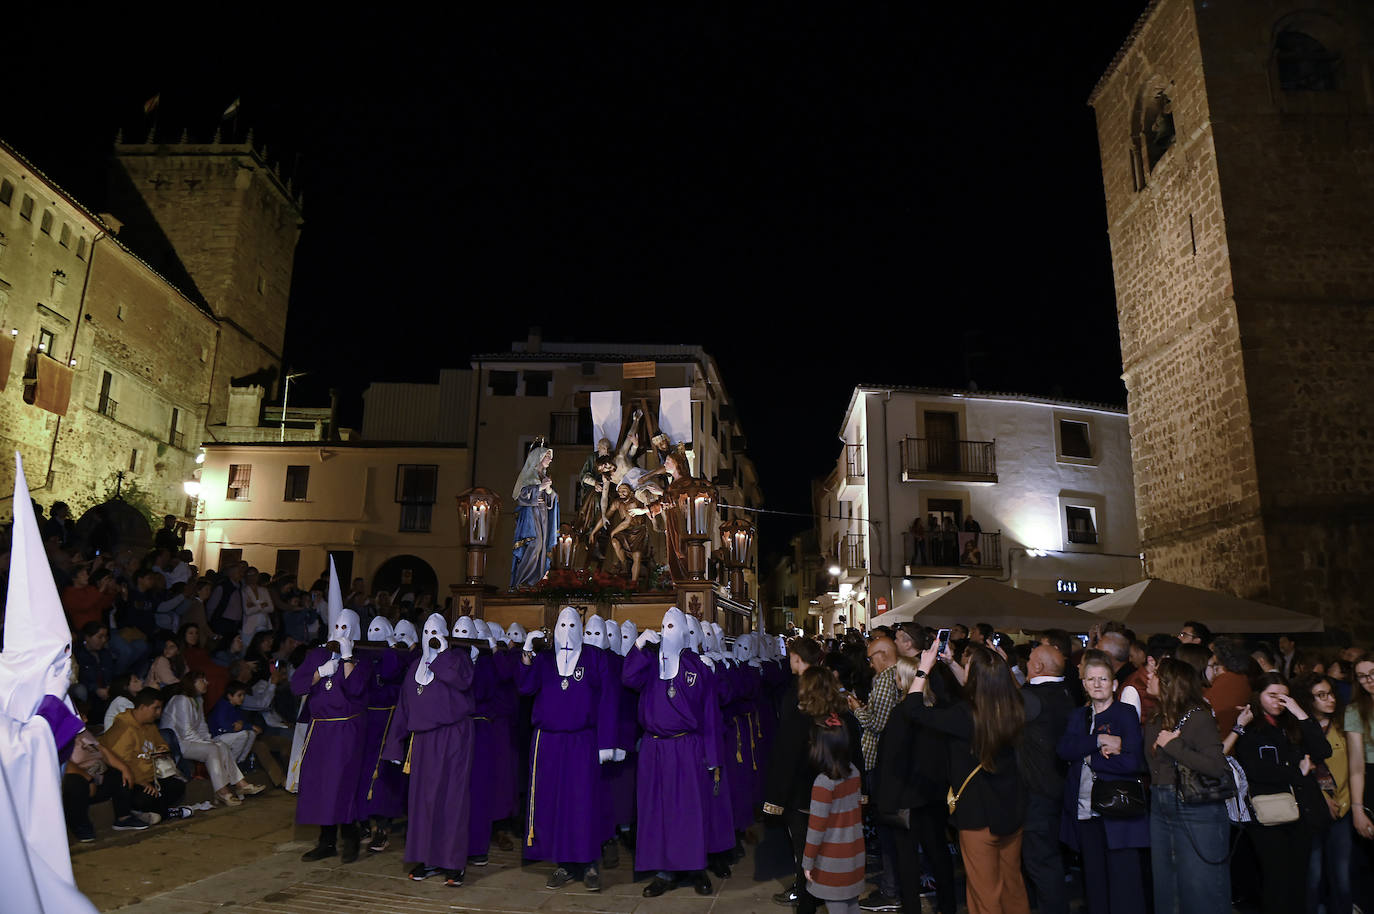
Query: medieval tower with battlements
1237, 149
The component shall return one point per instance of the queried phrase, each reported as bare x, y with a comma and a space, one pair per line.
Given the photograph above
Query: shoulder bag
953, 798
1275, 808
1194, 787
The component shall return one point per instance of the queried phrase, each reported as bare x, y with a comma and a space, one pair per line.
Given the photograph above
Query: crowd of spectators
1146, 772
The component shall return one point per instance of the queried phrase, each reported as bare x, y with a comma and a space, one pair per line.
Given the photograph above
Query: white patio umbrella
1153, 606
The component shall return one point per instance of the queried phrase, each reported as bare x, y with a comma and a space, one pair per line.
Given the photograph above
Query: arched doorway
406, 577
113, 528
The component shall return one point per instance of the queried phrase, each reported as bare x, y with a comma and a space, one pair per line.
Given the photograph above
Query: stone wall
1245, 274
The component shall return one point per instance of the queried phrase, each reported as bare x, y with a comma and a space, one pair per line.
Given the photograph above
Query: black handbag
1123, 799
1194, 787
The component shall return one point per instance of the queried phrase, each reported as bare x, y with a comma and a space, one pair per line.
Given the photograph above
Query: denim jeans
1330, 858
1181, 837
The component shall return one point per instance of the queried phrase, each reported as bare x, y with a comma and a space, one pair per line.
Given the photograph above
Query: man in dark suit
1048, 705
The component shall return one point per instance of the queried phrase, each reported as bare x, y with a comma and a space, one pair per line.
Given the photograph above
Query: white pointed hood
405, 633
334, 599
716, 637
379, 629
673, 642
613, 636
743, 649
517, 633
37, 659
434, 628
595, 632
695, 640
466, 627
567, 641
485, 631
629, 634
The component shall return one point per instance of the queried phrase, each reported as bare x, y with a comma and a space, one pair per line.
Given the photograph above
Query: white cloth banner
606, 416
675, 413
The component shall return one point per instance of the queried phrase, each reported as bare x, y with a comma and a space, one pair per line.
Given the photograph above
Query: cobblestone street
248, 859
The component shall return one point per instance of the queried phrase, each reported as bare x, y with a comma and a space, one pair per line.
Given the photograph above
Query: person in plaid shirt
882, 697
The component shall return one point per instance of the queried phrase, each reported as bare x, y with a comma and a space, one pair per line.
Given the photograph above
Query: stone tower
219, 222
1237, 147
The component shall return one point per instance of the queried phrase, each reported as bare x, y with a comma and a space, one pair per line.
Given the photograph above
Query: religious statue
536, 519
592, 525
630, 536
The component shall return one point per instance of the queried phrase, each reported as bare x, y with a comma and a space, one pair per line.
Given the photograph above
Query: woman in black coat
787, 788
912, 774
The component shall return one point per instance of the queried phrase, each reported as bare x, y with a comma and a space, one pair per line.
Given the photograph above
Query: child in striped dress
834, 857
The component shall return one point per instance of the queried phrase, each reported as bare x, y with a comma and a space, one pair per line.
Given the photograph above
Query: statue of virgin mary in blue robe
536, 520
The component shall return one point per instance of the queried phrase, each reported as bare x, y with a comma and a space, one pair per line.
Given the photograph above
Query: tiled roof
1121, 51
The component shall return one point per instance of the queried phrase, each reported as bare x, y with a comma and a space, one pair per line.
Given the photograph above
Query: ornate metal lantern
738, 537
478, 511
695, 504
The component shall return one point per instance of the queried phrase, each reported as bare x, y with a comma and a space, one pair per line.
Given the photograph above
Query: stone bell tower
1237, 148
218, 220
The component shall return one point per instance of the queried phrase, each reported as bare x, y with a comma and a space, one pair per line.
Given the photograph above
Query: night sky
892, 193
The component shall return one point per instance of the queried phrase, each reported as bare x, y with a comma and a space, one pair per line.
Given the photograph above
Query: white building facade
1029, 491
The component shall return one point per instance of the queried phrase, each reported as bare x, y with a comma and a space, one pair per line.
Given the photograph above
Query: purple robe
436, 720
741, 743
720, 811
500, 767
381, 785
330, 760
572, 723
675, 784
621, 780
482, 798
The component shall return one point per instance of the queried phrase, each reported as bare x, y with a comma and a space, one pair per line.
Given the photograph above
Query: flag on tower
232, 110
151, 104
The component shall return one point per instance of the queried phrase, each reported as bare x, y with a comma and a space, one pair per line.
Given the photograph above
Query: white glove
472, 653
706, 659
648, 636
345, 649
531, 638
328, 669
605, 755
619, 756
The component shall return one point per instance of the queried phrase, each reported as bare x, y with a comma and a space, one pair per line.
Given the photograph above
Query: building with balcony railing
932, 486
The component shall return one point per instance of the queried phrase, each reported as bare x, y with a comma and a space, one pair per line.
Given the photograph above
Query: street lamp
696, 503
478, 510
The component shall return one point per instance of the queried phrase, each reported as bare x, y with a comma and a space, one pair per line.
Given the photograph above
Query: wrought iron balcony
109, 407
952, 550
948, 459
852, 482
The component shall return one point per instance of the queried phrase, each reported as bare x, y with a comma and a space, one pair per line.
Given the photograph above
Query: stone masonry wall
1197, 493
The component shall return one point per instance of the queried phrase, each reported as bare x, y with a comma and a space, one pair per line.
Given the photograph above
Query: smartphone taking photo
943, 637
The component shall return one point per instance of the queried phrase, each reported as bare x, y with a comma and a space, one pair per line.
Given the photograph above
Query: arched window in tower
1157, 128
1304, 63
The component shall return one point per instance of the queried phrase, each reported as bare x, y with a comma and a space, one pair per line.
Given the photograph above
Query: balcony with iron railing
852, 476
948, 460
108, 407
950, 551
852, 558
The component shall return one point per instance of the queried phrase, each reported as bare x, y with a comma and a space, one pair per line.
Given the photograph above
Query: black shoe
877, 901
610, 854
320, 852
657, 887
559, 878
701, 884
380, 841
719, 868
453, 878
787, 898
349, 850
423, 871
592, 879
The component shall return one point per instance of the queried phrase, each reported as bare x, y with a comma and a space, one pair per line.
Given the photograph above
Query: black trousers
171, 790
929, 828
1041, 857
77, 797
1283, 852
797, 822
1114, 880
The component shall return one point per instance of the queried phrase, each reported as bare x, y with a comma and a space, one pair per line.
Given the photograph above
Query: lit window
46, 341
240, 481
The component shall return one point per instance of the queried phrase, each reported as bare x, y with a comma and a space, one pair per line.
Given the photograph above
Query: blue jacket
1119, 719
223, 716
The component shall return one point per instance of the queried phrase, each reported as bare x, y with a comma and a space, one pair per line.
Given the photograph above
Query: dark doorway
942, 442
406, 577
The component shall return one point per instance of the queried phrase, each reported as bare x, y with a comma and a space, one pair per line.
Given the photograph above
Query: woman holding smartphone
1278, 744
